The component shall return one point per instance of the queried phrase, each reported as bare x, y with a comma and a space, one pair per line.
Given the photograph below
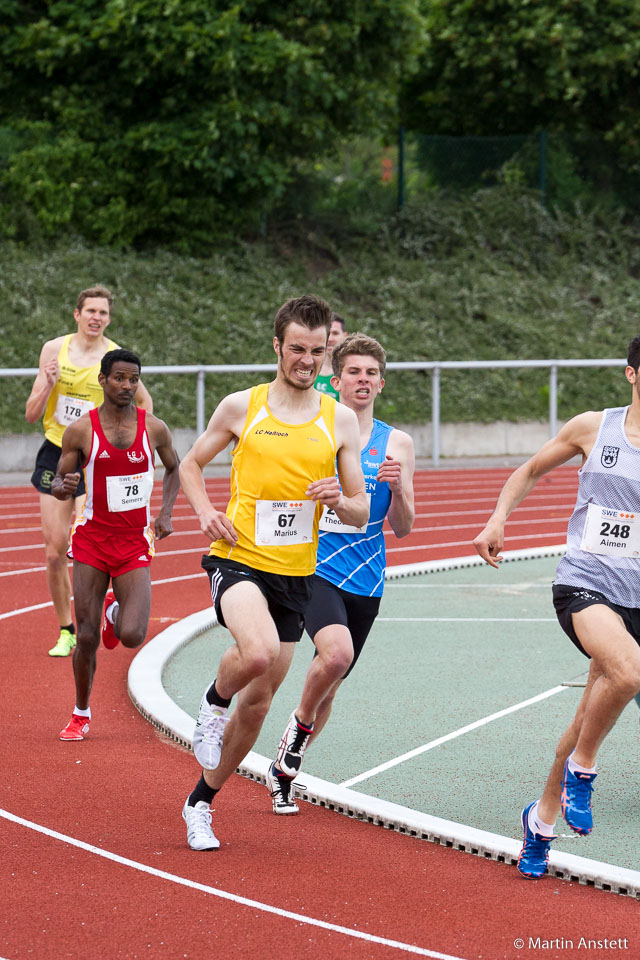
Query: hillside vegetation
488, 276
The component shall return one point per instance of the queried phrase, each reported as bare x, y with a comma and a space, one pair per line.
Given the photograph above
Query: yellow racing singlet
76, 392
272, 466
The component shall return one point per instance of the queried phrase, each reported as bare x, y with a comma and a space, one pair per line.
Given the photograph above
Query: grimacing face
300, 355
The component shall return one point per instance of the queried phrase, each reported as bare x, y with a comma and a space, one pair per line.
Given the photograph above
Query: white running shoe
280, 789
208, 734
292, 746
200, 836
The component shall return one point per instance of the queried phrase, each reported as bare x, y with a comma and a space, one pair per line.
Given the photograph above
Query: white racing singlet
603, 537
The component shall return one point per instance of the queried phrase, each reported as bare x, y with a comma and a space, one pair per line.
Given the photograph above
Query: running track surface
93, 853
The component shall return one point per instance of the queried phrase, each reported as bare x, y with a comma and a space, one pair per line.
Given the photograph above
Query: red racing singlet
119, 482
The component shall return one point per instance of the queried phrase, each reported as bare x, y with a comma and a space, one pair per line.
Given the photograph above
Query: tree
516, 66
174, 120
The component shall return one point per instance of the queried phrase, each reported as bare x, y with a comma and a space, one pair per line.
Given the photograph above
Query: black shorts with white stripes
568, 600
287, 597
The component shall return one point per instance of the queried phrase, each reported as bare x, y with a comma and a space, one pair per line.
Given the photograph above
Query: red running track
94, 860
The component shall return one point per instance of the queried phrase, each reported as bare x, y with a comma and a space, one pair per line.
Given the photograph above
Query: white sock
82, 713
576, 768
538, 825
112, 611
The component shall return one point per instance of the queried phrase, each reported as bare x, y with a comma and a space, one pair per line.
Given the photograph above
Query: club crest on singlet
609, 456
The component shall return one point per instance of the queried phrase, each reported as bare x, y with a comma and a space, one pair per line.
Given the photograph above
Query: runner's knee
337, 660
56, 556
132, 637
258, 662
87, 640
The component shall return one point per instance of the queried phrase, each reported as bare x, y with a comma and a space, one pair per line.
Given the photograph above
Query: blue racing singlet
356, 561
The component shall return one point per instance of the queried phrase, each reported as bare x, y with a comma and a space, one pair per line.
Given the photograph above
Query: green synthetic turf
490, 640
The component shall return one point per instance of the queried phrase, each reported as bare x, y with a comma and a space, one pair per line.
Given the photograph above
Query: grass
489, 276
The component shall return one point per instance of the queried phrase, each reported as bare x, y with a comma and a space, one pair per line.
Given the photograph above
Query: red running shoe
76, 729
108, 635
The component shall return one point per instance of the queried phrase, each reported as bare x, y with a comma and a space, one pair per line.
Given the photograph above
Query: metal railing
434, 366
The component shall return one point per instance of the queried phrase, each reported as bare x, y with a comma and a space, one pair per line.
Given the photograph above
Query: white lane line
223, 894
41, 606
452, 736
521, 538
466, 620
16, 613
21, 547
19, 573
159, 555
503, 585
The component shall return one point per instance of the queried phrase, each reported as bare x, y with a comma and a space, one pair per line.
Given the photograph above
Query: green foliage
492, 276
517, 66
178, 122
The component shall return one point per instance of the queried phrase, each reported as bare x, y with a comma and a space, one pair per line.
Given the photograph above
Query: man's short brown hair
97, 291
309, 311
360, 345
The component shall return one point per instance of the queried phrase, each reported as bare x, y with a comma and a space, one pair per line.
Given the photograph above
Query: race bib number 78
129, 493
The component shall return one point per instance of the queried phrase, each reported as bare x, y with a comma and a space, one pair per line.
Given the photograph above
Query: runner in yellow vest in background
66, 387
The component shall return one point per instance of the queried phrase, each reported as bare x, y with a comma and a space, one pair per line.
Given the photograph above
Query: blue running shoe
534, 856
575, 800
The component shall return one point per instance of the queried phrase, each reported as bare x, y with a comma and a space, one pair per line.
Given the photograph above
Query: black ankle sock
282, 776
70, 628
202, 792
304, 726
214, 698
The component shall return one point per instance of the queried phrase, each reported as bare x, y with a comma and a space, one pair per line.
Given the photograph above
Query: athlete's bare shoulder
583, 428
77, 436
51, 349
400, 442
346, 423
236, 403
156, 428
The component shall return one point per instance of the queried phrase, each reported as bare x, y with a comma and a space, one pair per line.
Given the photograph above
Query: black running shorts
287, 597
568, 600
330, 604
46, 466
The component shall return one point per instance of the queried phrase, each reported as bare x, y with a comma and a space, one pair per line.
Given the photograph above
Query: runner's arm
162, 526
223, 427
74, 443
397, 470
143, 398
348, 498
45, 381
576, 437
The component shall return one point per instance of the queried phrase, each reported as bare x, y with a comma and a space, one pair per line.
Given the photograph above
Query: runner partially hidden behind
66, 387
596, 594
349, 580
113, 539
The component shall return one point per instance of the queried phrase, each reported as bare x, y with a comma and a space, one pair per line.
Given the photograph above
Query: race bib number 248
611, 533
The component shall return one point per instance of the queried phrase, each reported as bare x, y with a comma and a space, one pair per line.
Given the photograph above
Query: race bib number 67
284, 522
611, 533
